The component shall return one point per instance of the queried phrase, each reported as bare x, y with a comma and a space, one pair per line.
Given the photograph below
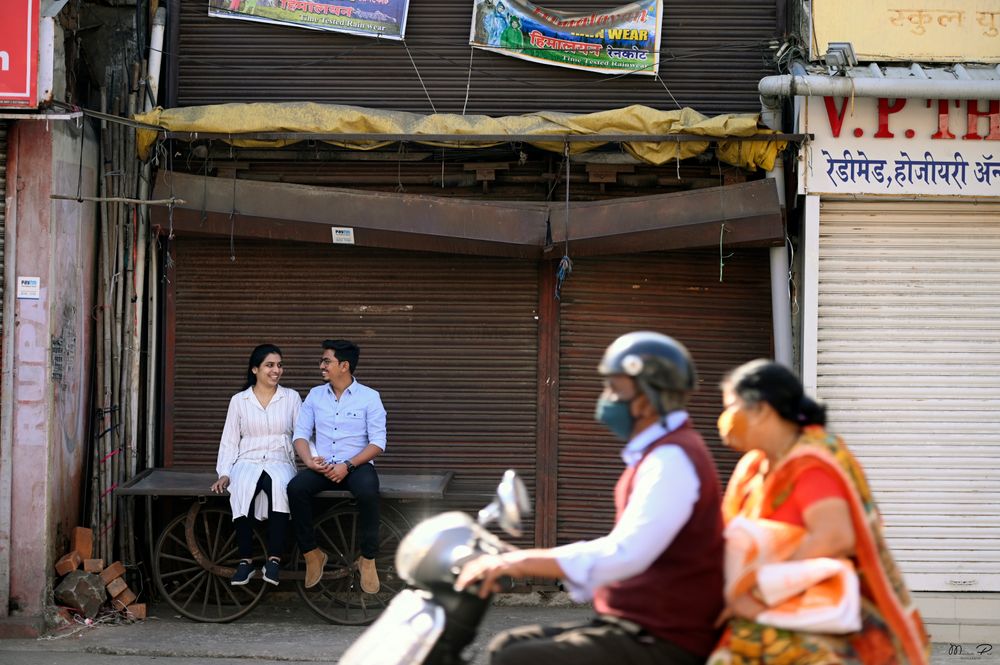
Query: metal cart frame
195, 553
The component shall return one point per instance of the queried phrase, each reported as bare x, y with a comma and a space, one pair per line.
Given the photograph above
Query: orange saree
892, 632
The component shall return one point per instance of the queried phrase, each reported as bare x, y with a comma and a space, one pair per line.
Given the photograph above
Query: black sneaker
271, 570
244, 573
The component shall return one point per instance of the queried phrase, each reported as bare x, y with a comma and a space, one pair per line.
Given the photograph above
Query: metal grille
908, 362
679, 294
450, 342
713, 55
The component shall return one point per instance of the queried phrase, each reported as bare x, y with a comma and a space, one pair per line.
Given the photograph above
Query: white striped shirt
257, 439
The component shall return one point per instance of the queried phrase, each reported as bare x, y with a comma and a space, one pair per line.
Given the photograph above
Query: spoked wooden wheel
195, 558
338, 597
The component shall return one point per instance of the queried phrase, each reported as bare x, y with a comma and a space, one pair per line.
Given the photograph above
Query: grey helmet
661, 366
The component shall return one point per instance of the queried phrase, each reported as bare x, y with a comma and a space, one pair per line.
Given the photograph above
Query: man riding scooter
656, 579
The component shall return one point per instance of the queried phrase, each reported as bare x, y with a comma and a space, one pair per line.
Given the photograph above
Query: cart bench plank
176, 482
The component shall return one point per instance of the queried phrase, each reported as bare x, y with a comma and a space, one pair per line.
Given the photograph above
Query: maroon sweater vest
679, 597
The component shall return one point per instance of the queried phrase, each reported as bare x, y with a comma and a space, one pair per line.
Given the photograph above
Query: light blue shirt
663, 496
341, 428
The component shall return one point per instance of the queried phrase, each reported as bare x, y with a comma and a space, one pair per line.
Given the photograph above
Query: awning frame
747, 213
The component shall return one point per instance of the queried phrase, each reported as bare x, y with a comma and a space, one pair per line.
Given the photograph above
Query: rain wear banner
369, 18
613, 41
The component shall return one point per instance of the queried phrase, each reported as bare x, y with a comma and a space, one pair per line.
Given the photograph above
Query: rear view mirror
509, 506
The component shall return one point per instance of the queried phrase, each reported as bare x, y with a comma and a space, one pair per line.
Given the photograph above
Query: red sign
19, 53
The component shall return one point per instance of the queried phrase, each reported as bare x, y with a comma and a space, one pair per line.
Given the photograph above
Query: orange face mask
732, 423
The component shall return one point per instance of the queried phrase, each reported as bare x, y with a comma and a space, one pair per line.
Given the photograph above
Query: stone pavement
287, 633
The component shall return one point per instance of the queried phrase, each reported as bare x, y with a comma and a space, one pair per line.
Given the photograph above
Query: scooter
430, 623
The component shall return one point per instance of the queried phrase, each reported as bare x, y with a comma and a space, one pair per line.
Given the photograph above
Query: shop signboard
946, 147
385, 19
619, 40
19, 54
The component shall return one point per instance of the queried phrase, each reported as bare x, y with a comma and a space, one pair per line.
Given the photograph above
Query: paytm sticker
29, 288
342, 235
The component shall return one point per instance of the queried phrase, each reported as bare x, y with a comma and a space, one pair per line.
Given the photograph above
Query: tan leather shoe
369, 576
315, 560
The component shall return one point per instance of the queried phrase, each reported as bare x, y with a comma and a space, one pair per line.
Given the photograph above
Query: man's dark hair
344, 350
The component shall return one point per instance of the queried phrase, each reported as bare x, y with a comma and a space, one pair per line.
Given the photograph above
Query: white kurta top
254, 440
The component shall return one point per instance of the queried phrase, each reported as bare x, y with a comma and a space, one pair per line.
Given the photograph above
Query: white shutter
908, 362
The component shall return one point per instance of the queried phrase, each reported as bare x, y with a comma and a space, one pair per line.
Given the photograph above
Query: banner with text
368, 18
941, 147
613, 41
19, 53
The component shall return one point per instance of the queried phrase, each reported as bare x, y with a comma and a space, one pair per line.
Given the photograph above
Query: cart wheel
393, 514
194, 558
338, 597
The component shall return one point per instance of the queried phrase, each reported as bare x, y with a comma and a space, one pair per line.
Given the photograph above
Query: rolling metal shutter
450, 342
677, 293
713, 55
908, 361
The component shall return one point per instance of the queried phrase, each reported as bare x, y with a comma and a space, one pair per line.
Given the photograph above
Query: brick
93, 566
81, 591
61, 617
81, 541
123, 599
117, 569
116, 586
67, 563
137, 610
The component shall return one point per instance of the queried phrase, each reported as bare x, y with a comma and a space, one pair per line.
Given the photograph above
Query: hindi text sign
902, 146
613, 41
368, 18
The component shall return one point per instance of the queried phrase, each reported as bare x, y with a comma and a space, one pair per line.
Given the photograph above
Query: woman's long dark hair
767, 381
257, 356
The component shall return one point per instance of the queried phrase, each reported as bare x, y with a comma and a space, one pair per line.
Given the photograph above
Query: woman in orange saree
794, 471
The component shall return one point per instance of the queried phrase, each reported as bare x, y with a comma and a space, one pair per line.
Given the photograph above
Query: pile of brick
87, 590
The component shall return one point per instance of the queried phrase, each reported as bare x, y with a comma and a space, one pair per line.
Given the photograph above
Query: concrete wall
55, 241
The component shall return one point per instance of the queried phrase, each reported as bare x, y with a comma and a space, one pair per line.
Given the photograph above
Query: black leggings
277, 524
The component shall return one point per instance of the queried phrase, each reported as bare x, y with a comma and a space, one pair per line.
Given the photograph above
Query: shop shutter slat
713, 56
908, 361
450, 342
679, 294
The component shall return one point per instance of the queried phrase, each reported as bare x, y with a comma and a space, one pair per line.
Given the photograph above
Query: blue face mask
616, 416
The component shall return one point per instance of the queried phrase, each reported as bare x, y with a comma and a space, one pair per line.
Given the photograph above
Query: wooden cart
195, 554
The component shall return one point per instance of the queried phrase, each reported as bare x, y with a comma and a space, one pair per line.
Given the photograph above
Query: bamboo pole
118, 199
119, 276
135, 305
107, 440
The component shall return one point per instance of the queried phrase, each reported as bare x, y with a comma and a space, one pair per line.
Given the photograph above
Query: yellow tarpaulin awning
729, 131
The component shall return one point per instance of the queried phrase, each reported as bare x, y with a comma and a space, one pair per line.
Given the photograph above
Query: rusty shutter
450, 342
713, 55
677, 293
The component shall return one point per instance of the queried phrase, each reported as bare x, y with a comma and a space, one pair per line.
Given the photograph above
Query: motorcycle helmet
660, 365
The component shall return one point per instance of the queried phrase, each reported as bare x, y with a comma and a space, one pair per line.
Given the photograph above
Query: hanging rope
170, 182
232, 223
722, 257
79, 174
468, 81
419, 77
664, 84
565, 263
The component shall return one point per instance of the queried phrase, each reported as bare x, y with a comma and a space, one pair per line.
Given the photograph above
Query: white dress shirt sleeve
229, 445
305, 419
663, 496
375, 421
294, 408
